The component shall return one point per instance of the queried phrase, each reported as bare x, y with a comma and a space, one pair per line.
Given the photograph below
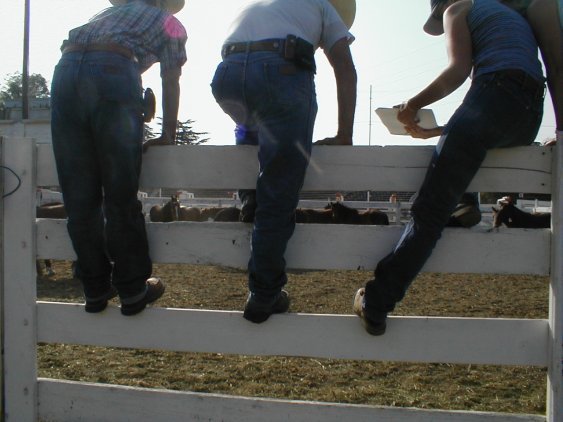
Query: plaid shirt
153, 34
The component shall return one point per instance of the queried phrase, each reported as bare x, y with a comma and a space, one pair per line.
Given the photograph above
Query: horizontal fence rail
401, 169
313, 246
469, 340
66, 400
338, 246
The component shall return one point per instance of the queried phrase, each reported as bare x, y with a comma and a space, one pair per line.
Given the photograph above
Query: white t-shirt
316, 21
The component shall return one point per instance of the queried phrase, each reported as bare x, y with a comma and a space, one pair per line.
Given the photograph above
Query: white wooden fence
451, 340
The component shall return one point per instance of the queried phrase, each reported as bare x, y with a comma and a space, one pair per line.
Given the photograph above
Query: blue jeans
277, 100
496, 113
97, 131
246, 135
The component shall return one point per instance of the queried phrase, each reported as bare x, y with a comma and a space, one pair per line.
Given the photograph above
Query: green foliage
185, 134
11, 88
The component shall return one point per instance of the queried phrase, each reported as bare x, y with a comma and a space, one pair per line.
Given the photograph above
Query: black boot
467, 212
248, 208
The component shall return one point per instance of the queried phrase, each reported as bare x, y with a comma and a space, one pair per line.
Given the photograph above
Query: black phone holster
300, 52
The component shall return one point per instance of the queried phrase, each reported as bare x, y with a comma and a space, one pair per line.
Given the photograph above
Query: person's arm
170, 105
421, 133
543, 16
459, 48
340, 58
170, 102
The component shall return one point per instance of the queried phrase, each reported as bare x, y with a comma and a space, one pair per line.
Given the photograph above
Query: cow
342, 214
228, 214
511, 216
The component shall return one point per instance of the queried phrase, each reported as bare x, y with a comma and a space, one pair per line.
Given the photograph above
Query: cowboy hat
173, 6
433, 25
346, 9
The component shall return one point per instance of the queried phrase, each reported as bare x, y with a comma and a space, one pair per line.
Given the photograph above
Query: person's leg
467, 212
80, 180
247, 134
281, 108
118, 128
285, 119
227, 87
450, 172
496, 113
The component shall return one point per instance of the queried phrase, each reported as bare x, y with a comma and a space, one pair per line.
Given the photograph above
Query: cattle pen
27, 322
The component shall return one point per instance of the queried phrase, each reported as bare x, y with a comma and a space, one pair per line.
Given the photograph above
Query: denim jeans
246, 135
277, 100
496, 113
97, 131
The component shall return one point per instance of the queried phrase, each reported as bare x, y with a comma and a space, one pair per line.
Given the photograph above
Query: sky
394, 60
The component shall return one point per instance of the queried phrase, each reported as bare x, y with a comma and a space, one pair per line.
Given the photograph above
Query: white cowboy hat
173, 6
346, 9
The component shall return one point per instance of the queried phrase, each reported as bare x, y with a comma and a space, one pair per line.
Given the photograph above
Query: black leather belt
526, 82
112, 48
262, 45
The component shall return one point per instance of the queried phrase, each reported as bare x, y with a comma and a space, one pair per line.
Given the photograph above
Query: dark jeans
97, 131
496, 113
262, 91
246, 135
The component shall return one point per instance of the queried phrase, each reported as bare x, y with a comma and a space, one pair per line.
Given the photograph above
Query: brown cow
342, 214
189, 214
167, 212
229, 214
209, 213
314, 216
173, 211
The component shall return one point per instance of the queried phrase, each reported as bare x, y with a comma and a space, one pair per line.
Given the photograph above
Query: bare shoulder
459, 8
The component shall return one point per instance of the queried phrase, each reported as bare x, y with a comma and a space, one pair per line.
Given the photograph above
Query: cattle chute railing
468, 340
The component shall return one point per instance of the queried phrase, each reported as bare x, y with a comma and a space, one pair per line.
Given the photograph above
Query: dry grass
438, 386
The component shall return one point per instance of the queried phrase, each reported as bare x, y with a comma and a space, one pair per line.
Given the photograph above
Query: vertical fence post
1, 283
555, 364
20, 313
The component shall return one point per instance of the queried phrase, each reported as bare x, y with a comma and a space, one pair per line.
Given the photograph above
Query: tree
12, 87
185, 135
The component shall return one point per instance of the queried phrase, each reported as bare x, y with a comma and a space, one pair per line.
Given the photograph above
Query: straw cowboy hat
173, 6
346, 9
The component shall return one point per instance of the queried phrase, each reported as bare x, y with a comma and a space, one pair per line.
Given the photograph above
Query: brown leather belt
263, 45
112, 48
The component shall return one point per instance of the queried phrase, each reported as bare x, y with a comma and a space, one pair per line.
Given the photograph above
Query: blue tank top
502, 39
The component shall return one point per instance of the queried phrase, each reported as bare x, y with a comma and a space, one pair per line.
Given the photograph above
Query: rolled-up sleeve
334, 29
173, 53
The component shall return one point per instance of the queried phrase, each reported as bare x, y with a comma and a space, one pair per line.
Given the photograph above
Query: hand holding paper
426, 125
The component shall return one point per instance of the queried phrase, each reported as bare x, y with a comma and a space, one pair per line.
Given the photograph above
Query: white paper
388, 116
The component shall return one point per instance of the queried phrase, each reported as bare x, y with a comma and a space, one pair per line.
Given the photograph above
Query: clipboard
388, 117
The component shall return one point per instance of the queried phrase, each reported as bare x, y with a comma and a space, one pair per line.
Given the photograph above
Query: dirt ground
436, 386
